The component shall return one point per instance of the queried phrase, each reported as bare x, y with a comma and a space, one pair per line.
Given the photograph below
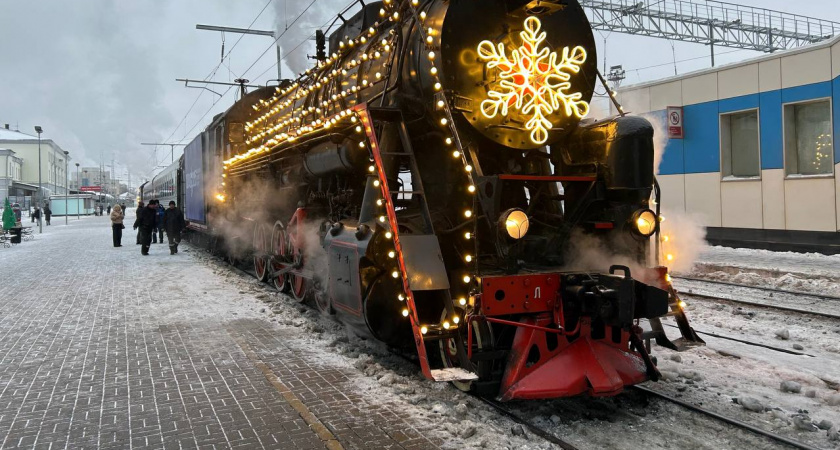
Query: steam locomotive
433, 180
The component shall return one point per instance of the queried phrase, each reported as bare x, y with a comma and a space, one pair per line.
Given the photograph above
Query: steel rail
533, 428
762, 288
744, 341
764, 305
760, 431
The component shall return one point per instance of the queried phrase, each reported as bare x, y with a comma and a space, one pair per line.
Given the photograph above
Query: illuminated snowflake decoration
533, 81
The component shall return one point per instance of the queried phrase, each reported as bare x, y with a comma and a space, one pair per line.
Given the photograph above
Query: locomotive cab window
739, 145
808, 138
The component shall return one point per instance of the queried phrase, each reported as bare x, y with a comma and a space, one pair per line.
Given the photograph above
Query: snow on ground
811, 272
713, 376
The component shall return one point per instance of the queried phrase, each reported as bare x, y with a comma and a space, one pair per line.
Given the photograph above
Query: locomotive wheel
298, 284
261, 249
279, 246
482, 340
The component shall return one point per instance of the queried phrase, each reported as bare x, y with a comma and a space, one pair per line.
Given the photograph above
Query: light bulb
468, 258
376, 183
468, 213
379, 202
446, 324
456, 320
466, 278
471, 189
456, 153
462, 301
388, 235
391, 254
424, 330
467, 235
382, 219
405, 312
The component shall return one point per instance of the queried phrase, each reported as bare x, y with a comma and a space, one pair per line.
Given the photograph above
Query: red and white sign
91, 188
675, 122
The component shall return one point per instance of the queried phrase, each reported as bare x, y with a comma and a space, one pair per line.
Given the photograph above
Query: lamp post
66, 186
79, 187
40, 130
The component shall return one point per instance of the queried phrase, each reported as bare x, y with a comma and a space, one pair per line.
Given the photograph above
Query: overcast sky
99, 75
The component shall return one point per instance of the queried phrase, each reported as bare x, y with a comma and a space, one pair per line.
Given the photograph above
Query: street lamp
40, 130
66, 186
79, 189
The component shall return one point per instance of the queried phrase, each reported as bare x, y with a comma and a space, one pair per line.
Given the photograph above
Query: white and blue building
757, 163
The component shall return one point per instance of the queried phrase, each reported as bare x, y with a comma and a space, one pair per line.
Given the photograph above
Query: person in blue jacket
158, 231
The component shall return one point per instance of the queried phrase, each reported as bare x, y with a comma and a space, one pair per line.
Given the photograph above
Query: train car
163, 186
436, 186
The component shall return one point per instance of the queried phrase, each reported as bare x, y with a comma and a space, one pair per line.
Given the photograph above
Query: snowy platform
103, 348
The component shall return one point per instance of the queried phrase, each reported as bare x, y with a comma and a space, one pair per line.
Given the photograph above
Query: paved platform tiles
103, 348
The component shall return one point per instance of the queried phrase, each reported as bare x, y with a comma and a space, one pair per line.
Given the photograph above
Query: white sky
99, 75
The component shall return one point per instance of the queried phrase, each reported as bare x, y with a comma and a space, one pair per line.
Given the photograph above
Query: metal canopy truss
709, 22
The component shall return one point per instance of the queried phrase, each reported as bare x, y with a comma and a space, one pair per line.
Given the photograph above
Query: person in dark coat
173, 223
108, 209
140, 207
36, 215
47, 214
145, 224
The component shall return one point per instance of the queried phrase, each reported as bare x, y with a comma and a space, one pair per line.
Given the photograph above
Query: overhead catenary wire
287, 54
212, 73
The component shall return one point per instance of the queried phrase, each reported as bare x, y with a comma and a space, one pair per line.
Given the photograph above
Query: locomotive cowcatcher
433, 181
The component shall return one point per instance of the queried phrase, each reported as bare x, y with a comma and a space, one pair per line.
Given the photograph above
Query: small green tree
9, 220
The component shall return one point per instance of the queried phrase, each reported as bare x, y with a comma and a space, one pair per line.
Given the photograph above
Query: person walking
122, 205
145, 224
47, 214
36, 215
160, 210
109, 209
173, 223
117, 217
140, 207
158, 230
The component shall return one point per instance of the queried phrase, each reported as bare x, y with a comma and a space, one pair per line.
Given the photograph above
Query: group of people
152, 220
36, 214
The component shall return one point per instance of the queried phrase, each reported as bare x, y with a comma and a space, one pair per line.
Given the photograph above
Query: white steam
683, 238
298, 27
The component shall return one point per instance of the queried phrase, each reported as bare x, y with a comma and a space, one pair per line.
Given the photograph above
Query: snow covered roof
11, 135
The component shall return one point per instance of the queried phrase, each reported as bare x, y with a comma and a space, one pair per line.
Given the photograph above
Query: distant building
10, 173
757, 162
53, 163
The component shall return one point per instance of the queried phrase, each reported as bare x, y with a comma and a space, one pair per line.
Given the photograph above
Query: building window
739, 144
808, 138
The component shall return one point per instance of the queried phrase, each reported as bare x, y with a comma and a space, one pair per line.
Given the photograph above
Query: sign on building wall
675, 122
91, 188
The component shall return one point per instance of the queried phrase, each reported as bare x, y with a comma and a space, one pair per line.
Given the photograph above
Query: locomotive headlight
645, 222
515, 222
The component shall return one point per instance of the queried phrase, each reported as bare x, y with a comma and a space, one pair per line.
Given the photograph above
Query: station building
757, 162
19, 152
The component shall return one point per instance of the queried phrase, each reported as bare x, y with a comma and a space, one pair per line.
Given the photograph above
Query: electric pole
171, 150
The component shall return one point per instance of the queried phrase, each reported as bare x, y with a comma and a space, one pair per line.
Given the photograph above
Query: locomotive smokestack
320, 46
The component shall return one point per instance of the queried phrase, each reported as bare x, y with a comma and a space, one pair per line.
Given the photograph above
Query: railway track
779, 299
720, 417
565, 445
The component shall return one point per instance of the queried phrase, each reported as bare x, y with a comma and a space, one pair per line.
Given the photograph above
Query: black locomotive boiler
426, 182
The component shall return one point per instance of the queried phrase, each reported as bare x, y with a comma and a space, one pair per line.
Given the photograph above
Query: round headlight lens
645, 222
515, 223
